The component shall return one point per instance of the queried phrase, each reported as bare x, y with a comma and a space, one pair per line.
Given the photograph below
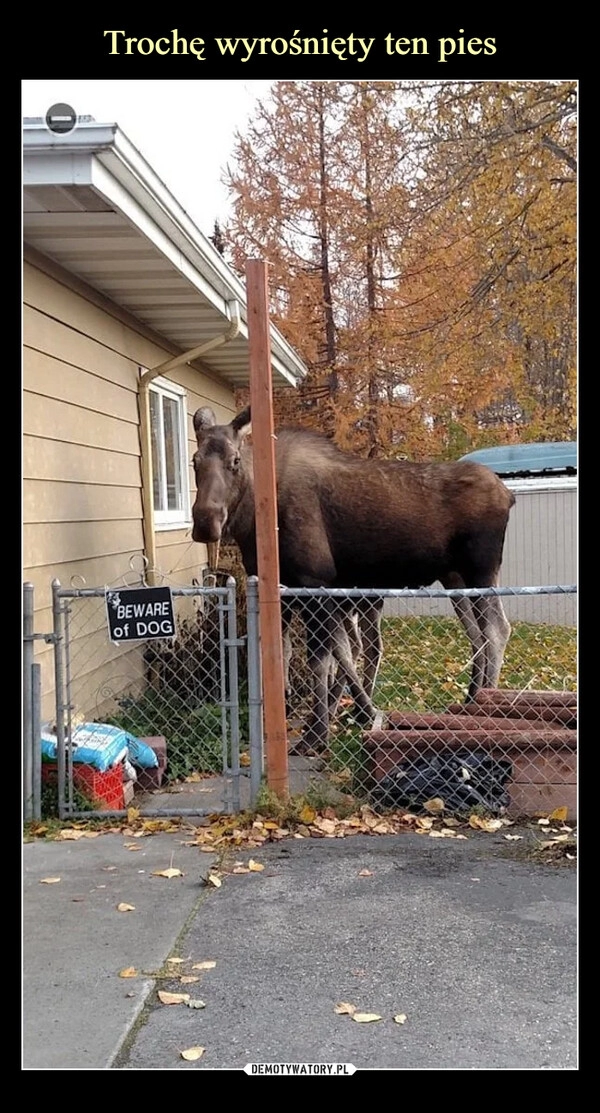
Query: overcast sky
184, 129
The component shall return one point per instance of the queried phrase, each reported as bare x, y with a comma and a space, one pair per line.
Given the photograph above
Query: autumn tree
422, 248
490, 283
285, 210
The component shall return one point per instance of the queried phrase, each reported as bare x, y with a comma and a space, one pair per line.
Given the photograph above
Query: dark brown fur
349, 522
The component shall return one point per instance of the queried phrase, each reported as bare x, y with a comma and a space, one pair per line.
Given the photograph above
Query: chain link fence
400, 731
511, 750
180, 696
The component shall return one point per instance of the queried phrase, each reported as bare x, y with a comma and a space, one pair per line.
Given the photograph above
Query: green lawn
425, 662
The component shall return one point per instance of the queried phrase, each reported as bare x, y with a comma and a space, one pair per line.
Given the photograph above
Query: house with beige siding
131, 320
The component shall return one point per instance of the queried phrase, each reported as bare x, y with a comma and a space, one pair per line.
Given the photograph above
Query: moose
349, 522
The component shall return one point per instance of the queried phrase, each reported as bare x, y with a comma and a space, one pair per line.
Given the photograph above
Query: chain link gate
183, 697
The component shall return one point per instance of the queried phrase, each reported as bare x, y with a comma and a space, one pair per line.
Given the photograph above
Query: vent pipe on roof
146, 377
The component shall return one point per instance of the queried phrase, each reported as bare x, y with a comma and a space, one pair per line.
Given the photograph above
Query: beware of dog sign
136, 614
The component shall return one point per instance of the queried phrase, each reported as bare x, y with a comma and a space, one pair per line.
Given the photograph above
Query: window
168, 421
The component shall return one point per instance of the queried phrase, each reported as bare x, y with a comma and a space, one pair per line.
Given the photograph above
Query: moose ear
203, 419
241, 423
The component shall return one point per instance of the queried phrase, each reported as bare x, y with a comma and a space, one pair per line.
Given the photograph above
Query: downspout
146, 378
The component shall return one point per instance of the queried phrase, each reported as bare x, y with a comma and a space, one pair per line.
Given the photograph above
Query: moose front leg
316, 729
320, 627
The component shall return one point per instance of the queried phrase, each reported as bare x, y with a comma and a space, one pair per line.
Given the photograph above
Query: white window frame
173, 519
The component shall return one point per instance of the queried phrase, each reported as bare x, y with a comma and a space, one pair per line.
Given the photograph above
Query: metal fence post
255, 722
36, 731
27, 701
234, 699
60, 704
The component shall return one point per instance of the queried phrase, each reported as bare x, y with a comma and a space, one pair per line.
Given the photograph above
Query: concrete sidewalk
472, 941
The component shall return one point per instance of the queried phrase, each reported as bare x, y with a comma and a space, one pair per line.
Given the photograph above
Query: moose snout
208, 524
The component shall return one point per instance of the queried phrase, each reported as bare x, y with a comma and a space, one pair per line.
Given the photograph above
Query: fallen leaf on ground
128, 972
365, 873
172, 998
214, 880
345, 1009
195, 1003
307, 815
481, 824
187, 979
176, 960
70, 833
400, 1018
324, 826
365, 1018
543, 822
436, 804
240, 869
49, 880
559, 814
513, 838
192, 1053
122, 907
208, 965
170, 872
244, 759
255, 867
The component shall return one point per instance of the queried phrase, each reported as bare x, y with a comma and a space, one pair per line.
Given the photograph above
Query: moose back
344, 521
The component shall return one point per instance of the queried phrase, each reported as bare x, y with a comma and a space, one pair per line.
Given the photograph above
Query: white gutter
146, 378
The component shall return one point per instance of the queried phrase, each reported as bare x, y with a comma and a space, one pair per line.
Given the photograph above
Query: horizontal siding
57, 341
82, 498
64, 461
55, 299
49, 501
56, 420
50, 544
67, 382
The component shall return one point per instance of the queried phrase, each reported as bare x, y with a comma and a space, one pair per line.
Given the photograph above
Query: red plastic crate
103, 790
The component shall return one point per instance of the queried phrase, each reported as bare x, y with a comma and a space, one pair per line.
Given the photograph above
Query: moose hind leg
495, 629
466, 611
342, 652
369, 621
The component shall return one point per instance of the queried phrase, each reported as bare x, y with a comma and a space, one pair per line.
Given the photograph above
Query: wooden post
265, 497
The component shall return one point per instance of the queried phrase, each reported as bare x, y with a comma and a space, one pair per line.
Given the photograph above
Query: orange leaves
172, 998
345, 1008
